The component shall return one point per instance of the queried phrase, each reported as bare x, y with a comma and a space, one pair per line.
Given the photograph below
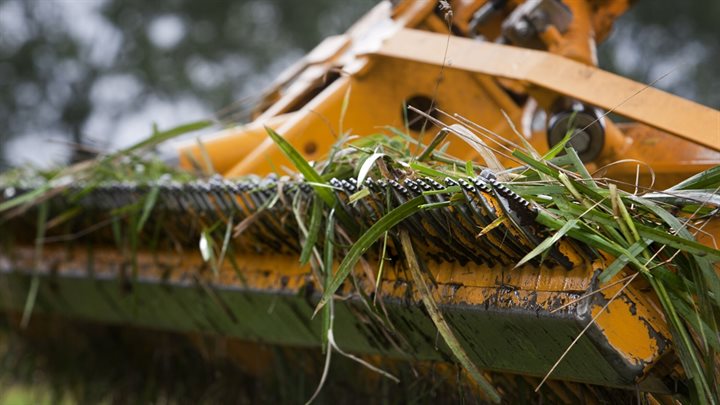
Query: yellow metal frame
380, 63
395, 53
633, 327
358, 83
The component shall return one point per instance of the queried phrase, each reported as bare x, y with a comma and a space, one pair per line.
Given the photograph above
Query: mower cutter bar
474, 219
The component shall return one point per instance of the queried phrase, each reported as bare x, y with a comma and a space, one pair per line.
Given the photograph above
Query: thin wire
441, 124
449, 19
479, 128
589, 294
610, 111
621, 161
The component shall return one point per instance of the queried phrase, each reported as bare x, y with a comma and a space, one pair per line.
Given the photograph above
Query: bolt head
580, 141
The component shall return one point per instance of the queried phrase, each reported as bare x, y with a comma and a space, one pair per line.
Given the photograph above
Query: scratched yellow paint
625, 332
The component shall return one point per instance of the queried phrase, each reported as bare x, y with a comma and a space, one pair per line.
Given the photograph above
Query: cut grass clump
639, 233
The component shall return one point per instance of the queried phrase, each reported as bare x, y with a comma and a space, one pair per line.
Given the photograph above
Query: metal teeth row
522, 209
452, 238
480, 184
509, 194
447, 234
336, 184
435, 184
209, 195
399, 188
424, 185
455, 233
413, 187
524, 214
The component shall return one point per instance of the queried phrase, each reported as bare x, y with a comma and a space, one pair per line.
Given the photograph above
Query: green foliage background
57, 56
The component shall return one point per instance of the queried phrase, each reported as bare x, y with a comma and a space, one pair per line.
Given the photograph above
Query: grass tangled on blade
643, 234
651, 235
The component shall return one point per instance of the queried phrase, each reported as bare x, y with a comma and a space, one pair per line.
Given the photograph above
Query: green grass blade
310, 174
328, 259
555, 150
586, 235
710, 178
561, 145
494, 224
439, 320
469, 169
712, 278
29, 197
532, 192
446, 190
343, 110
384, 224
536, 164
678, 242
313, 231
159, 137
528, 146
227, 236
382, 264
619, 263
436, 141
150, 200
647, 232
427, 170
64, 216
579, 166
683, 343
359, 195
435, 205
207, 168
30, 301
689, 314
547, 243
35, 283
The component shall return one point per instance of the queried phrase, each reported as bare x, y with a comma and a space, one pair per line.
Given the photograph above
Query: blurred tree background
98, 72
